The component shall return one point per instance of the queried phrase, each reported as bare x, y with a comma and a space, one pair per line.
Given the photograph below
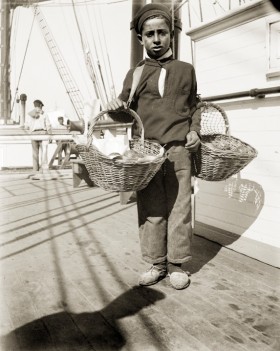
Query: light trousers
36, 146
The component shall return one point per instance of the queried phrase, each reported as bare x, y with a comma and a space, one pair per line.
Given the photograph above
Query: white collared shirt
41, 123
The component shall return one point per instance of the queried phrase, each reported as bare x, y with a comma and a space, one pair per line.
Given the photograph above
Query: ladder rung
71, 89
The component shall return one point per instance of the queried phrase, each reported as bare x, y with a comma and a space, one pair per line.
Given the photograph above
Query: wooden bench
80, 173
69, 149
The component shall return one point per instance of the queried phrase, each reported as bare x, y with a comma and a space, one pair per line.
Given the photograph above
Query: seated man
61, 125
60, 120
66, 147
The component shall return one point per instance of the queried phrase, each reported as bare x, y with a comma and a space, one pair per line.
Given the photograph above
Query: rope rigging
70, 37
98, 70
85, 52
94, 73
110, 82
23, 61
112, 85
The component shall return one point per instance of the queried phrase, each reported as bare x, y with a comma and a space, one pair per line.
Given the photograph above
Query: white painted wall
18, 153
245, 209
237, 58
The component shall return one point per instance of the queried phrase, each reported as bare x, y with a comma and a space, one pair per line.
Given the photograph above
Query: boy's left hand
193, 141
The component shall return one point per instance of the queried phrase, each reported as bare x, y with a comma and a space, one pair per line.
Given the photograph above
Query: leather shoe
153, 275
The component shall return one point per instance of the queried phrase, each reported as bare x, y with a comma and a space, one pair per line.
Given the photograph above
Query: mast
136, 53
5, 101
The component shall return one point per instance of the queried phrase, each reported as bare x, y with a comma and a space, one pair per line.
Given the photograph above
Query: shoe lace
159, 269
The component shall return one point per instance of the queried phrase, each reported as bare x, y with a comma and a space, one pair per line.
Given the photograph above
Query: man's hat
152, 10
38, 103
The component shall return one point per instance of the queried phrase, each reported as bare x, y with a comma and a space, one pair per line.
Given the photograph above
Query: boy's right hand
116, 104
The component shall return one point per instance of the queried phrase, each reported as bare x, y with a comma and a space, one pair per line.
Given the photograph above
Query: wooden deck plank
70, 276
248, 268
197, 330
112, 312
23, 312
65, 335
135, 315
118, 264
93, 288
6, 323
232, 305
219, 313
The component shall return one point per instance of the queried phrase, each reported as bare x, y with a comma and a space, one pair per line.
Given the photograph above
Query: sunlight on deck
70, 261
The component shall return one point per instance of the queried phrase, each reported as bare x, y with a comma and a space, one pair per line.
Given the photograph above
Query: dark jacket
171, 117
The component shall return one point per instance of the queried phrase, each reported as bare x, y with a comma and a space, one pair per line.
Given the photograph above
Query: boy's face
155, 37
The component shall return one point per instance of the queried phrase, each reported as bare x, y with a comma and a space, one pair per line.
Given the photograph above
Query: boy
165, 99
38, 124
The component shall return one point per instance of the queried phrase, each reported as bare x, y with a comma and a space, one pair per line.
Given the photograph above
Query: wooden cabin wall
243, 212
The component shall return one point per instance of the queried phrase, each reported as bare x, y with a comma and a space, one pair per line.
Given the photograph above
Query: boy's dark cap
152, 10
38, 103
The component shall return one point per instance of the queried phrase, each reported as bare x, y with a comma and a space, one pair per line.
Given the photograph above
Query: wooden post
44, 155
23, 99
136, 52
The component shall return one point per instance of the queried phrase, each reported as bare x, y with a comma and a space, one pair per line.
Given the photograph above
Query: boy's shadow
84, 331
241, 198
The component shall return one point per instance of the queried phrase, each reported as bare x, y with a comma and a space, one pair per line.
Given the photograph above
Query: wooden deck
70, 261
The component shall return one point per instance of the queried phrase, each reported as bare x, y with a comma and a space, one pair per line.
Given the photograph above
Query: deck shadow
244, 200
203, 251
97, 330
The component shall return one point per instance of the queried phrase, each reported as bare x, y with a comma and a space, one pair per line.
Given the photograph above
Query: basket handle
95, 119
218, 108
223, 113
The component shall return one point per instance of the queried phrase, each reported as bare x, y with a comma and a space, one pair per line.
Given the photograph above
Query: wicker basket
114, 175
220, 155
